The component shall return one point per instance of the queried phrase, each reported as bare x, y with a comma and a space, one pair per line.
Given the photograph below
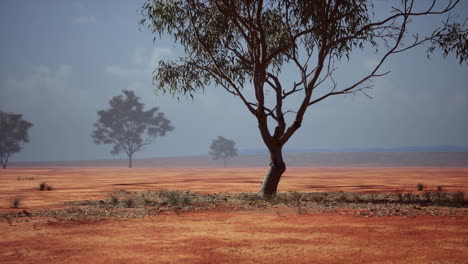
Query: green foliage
222, 148
225, 41
13, 131
222, 39
127, 126
452, 38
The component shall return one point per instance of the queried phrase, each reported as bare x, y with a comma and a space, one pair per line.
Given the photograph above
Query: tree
232, 44
127, 126
223, 148
13, 131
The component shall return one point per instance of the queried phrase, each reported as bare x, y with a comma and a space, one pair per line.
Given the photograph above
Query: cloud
44, 91
84, 20
82, 17
145, 63
139, 57
127, 73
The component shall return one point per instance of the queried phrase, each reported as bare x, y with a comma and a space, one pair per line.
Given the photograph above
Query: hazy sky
61, 61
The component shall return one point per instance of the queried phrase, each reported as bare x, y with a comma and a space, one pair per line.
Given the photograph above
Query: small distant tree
127, 126
222, 148
13, 131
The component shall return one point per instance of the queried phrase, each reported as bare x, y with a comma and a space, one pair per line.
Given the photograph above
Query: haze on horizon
63, 60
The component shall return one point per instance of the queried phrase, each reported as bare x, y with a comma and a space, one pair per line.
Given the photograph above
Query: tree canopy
127, 126
236, 44
223, 148
13, 132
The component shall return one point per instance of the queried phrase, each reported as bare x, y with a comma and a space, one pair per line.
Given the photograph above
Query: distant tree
222, 148
13, 131
239, 44
127, 126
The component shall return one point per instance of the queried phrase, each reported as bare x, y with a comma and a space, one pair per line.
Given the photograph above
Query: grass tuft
420, 186
16, 202
43, 186
129, 203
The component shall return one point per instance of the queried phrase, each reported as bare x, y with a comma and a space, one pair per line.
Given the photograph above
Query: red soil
276, 235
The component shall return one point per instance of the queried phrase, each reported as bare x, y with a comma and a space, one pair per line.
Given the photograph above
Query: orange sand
95, 183
276, 235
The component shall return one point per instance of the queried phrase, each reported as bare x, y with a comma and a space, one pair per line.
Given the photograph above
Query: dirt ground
273, 235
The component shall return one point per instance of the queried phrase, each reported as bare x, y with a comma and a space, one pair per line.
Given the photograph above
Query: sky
62, 61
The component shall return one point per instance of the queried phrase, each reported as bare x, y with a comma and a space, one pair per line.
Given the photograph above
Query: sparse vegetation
175, 197
124, 204
129, 203
420, 186
43, 186
114, 201
427, 195
19, 178
16, 202
458, 198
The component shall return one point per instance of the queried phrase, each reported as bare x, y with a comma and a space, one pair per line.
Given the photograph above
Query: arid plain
229, 235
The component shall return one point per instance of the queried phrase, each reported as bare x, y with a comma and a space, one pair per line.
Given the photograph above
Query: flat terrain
313, 159
227, 235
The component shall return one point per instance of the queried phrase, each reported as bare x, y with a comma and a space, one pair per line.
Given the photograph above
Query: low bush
420, 186
458, 198
16, 202
175, 197
129, 203
43, 186
114, 200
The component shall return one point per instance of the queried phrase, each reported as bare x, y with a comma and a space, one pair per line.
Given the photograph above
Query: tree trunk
4, 161
129, 161
273, 175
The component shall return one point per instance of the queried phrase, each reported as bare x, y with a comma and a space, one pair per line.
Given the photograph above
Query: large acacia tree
127, 126
238, 44
13, 132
